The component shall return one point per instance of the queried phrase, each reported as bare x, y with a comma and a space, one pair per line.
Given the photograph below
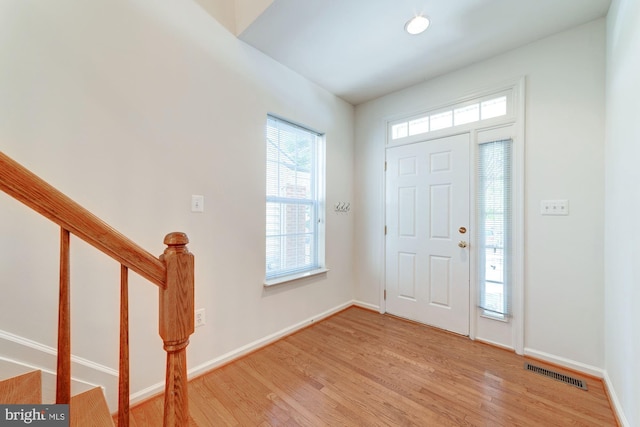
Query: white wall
622, 256
564, 160
130, 108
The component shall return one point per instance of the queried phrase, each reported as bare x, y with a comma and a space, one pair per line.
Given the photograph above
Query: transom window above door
496, 105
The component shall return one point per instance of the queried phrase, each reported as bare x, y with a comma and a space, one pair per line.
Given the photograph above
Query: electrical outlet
201, 318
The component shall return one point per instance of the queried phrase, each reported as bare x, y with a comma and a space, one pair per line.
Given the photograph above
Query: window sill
293, 277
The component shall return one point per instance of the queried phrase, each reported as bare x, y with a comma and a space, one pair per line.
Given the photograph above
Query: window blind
494, 208
291, 199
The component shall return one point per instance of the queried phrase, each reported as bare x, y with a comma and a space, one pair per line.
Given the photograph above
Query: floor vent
556, 376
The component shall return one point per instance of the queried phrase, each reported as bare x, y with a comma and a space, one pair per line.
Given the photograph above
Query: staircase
22, 389
172, 273
88, 408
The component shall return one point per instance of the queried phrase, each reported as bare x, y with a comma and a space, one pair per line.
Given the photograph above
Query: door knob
462, 244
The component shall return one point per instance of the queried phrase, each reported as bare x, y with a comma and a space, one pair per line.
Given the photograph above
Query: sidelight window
494, 227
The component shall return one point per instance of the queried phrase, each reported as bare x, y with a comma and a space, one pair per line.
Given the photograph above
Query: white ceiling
358, 49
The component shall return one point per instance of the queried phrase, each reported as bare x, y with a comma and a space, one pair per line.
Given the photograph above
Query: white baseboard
564, 362
239, 352
25, 354
615, 402
494, 344
367, 306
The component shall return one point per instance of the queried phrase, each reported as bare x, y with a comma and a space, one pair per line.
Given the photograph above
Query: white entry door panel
427, 203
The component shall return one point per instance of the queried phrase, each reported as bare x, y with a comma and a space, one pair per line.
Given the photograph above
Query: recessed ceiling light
417, 24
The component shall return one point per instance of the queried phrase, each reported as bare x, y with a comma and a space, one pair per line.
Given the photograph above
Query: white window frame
315, 203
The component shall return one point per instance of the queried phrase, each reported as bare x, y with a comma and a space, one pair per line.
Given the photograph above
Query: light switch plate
197, 203
554, 207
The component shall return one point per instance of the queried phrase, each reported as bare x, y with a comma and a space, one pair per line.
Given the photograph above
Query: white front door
427, 216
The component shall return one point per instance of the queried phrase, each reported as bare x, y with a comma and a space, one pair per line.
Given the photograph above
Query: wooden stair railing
172, 272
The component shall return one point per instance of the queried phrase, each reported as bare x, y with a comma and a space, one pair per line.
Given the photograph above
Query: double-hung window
295, 192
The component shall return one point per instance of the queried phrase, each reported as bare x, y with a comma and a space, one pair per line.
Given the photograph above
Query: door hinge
385, 294
385, 166
385, 230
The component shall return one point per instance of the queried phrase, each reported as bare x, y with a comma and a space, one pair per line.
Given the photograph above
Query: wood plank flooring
360, 368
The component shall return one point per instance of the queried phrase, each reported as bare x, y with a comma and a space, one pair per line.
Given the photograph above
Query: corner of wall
615, 402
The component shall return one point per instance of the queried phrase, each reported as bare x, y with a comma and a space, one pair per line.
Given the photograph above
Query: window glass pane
458, 115
494, 108
468, 114
494, 224
292, 199
442, 120
419, 126
400, 130
290, 237
274, 237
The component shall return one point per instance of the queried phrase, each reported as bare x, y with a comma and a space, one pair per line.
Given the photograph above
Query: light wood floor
360, 368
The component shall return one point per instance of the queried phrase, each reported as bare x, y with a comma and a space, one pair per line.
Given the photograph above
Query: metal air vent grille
556, 376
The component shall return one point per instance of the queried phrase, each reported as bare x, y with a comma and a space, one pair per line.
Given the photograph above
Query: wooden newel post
176, 325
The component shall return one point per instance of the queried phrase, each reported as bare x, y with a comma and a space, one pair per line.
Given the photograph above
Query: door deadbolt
462, 230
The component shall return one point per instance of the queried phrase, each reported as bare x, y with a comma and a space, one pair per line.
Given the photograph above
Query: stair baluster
123, 386
63, 377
